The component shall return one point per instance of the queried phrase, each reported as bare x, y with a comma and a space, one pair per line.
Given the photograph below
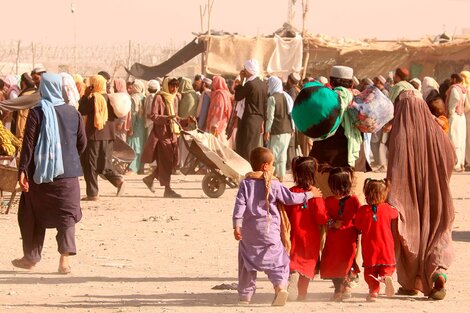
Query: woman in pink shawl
11, 86
421, 160
219, 109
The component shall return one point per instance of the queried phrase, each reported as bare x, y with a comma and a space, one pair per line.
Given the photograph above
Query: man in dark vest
251, 109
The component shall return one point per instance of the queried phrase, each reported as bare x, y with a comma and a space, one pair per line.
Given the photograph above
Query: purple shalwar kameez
261, 249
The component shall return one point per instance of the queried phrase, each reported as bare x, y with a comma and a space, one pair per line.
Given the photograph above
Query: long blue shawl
48, 151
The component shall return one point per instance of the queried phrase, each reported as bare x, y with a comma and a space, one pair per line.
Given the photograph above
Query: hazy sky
173, 21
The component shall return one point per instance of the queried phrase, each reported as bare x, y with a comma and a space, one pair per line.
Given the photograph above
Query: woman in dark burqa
421, 160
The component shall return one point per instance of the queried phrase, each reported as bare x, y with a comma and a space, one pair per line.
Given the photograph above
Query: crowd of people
64, 126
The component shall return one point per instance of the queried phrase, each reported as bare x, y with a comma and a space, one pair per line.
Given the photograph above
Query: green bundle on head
317, 111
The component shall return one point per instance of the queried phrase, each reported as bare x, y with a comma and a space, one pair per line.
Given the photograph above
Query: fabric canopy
188, 52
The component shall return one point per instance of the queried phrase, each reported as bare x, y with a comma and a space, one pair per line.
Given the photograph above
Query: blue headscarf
48, 152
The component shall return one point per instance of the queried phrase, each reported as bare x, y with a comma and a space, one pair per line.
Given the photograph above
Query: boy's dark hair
340, 180
304, 170
260, 156
174, 82
376, 191
457, 77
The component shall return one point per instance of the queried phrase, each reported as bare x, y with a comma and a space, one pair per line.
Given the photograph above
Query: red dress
340, 247
305, 234
377, 239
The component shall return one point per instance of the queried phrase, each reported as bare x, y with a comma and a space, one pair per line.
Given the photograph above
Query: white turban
154, 85
252, 66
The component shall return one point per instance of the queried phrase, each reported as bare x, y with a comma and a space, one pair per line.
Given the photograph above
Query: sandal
439, 291
389, 289
280, 298
23, 263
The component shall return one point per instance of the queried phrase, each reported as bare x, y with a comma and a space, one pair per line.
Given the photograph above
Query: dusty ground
143, 253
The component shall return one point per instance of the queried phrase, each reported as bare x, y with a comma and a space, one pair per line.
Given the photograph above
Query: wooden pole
129, 57
33, 51
307, 57
18, 56
210, 4
304, 16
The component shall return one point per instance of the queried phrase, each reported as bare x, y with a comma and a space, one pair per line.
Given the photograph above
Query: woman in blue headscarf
48, 174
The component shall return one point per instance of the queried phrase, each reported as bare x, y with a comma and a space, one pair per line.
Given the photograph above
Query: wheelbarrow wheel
213, 185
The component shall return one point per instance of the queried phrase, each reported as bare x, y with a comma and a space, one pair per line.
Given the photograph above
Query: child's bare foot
337, 297
372, 297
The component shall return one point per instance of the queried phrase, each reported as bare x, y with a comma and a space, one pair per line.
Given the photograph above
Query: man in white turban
252, 97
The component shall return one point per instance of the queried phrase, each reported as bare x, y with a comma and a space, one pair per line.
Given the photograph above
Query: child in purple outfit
257, 225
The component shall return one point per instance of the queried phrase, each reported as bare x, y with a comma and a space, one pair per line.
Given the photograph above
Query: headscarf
466, 81
70, 91
221, 100
398, 88
80, 84
275, 86
429, 84
252, 66
48, 151
120, 85
350, 130
101, 106
189, 99
417, 82
137, 94
169, 99
12, 85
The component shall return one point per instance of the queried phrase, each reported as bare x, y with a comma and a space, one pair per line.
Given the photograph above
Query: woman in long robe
219, 109
136, 135
421, 159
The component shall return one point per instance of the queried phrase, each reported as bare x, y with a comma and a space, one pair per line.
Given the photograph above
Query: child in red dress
305, 229
375, 220
341, 239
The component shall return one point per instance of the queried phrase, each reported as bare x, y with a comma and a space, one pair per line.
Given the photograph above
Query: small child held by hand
305, 224
257, 224
341, 239
375, 220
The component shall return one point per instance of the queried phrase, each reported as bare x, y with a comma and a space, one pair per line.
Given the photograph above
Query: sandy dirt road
144, 253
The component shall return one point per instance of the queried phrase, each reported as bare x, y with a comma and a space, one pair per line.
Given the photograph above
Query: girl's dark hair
340, 180
341, 82
376, 191
304, 170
